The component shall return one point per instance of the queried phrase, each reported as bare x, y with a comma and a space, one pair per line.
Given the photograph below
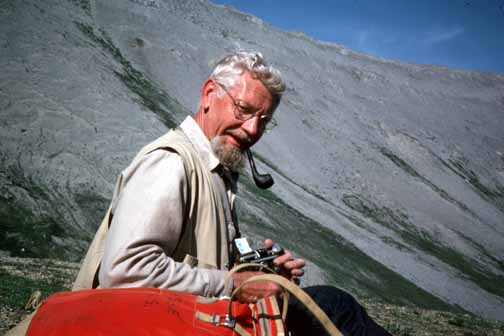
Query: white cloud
362, 38
443, 35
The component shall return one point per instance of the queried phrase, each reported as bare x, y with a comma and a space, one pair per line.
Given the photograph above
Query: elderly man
172, 220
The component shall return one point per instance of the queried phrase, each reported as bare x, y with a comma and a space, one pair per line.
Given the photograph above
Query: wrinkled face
222, 110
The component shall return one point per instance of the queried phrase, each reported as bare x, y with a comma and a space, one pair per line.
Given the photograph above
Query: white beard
229, 156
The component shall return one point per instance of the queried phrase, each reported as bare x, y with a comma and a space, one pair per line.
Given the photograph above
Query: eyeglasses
244, 112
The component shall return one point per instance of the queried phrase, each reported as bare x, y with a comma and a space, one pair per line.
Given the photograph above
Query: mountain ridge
399, 161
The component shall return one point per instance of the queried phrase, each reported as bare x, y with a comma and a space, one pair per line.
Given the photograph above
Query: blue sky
462, 34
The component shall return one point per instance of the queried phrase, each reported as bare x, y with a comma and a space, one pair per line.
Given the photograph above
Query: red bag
150, 311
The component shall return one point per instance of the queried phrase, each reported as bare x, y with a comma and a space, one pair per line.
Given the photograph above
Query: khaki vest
203, 242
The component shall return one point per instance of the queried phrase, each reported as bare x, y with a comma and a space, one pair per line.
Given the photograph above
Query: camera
260, 256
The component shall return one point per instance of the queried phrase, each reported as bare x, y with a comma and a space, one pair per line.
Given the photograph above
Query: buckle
228, 321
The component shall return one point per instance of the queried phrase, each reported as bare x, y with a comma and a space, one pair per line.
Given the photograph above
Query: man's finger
293, 264
287, 256
297, 272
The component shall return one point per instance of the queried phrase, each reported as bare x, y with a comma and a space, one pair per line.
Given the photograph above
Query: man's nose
251, 126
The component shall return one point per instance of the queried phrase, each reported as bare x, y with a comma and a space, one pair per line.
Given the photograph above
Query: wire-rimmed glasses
244, 113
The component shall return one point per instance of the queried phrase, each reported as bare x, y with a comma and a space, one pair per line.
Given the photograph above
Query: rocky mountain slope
389, 176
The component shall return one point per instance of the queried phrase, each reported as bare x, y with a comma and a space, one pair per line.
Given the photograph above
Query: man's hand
290, 267
251, 292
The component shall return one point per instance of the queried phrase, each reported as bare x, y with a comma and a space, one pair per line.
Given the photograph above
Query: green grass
413, 173
458, 166
469, 321
473, 179
150, 95
400, 320
280, 172
25, 234
344, 264
492, 195
32, 215
82, 4
92, 205
387, 217
15, 290
409, 321
396, 328
399, 222
20, 277
26, 230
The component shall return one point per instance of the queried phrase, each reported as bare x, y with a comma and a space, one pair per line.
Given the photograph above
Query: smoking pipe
263, 181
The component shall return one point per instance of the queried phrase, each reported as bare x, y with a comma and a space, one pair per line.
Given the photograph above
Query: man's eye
245, 110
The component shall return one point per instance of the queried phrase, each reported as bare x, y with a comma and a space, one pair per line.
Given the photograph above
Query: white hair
232, 66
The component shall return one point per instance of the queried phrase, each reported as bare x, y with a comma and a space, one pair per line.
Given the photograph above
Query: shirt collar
200, 142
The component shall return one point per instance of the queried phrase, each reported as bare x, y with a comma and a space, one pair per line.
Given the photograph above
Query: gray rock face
389, 176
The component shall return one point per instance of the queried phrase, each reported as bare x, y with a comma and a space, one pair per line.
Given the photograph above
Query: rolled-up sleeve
148, 218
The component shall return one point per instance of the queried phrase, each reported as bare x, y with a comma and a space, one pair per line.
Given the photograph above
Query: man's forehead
248, 86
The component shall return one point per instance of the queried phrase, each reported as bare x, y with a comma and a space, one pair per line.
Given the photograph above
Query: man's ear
207, 94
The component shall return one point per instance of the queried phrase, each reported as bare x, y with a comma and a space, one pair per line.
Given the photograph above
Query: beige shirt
148, 220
